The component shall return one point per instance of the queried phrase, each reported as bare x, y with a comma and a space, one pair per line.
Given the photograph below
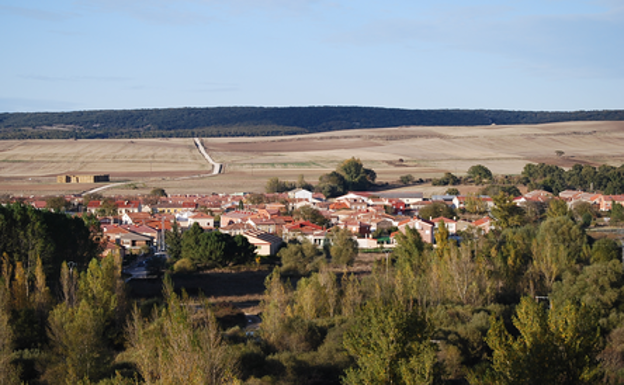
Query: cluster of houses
139, 226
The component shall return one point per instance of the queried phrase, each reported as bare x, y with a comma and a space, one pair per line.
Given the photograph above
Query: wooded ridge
260, 121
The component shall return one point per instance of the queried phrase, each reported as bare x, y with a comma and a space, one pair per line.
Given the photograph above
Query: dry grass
425, 152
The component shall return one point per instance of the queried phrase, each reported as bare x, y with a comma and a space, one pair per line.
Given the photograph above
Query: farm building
82, 178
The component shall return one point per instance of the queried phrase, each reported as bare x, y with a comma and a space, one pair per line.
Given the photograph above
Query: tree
357, 177
180, 344
410, 245
436, 210
447, 179
475, 205
299, 258
452, 191
557, 208
173, 240
407, 179
390, 346
332, 184
311, 214
108, 207
344, 248
506, 212
274, 185
57, 204
559, 346
479, 174
158, 192
617, 212
302, 184
8, 372
76, 337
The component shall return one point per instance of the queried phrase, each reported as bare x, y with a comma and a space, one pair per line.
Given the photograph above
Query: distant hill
260, 121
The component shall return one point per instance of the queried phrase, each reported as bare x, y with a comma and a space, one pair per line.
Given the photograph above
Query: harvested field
424, 152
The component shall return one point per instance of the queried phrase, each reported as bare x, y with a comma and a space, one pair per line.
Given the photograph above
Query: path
217, 168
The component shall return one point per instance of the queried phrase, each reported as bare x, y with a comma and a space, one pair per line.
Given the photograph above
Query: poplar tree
390, 346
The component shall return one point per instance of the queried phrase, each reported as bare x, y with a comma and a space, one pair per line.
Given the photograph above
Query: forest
536, 300
260, 121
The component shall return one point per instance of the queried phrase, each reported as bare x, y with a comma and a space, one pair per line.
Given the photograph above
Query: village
136, 225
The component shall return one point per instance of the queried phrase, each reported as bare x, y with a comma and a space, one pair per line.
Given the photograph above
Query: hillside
31, 166
260, 121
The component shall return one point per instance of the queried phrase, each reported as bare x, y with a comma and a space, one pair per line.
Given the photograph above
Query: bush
184, 265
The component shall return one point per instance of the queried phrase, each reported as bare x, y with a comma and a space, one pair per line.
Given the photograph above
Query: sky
545, 55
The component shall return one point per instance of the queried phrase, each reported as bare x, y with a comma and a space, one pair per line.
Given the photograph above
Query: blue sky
67, 55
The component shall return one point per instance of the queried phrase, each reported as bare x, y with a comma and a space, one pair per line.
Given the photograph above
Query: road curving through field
217, 168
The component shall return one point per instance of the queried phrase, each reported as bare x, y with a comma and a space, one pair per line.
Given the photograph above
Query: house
486, 224
301, 194
266, 244
134, 242
606, 201
304, 230
173, 207
237, 228
128, 207
356, 227
235, 217
451, 225
271, 226
205, 221
132, 218
407, 197
425, 228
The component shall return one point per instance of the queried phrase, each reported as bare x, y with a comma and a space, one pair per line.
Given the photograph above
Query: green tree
390, 346
173, 240
617, 212
311, 214
302, 184
480, 174
410, 246
299, 258
475, 205
332, 184
557, 208
605, 250
506, 212
559, 346
180, 344
447, 179
8, 371
344, 247
436, 210
357, 177
275, 185
452, 191
407, 179
107, 208
76, 338
57, 204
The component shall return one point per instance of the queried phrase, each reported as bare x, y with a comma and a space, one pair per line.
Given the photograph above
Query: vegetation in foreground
533, 301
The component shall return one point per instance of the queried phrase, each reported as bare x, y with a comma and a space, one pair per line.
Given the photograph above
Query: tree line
252, 121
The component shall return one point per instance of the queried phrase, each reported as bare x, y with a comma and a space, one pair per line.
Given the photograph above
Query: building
82, 178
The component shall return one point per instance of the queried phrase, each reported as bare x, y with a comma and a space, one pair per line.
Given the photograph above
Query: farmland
30, 166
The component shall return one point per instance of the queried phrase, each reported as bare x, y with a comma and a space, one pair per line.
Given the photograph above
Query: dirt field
29, 167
